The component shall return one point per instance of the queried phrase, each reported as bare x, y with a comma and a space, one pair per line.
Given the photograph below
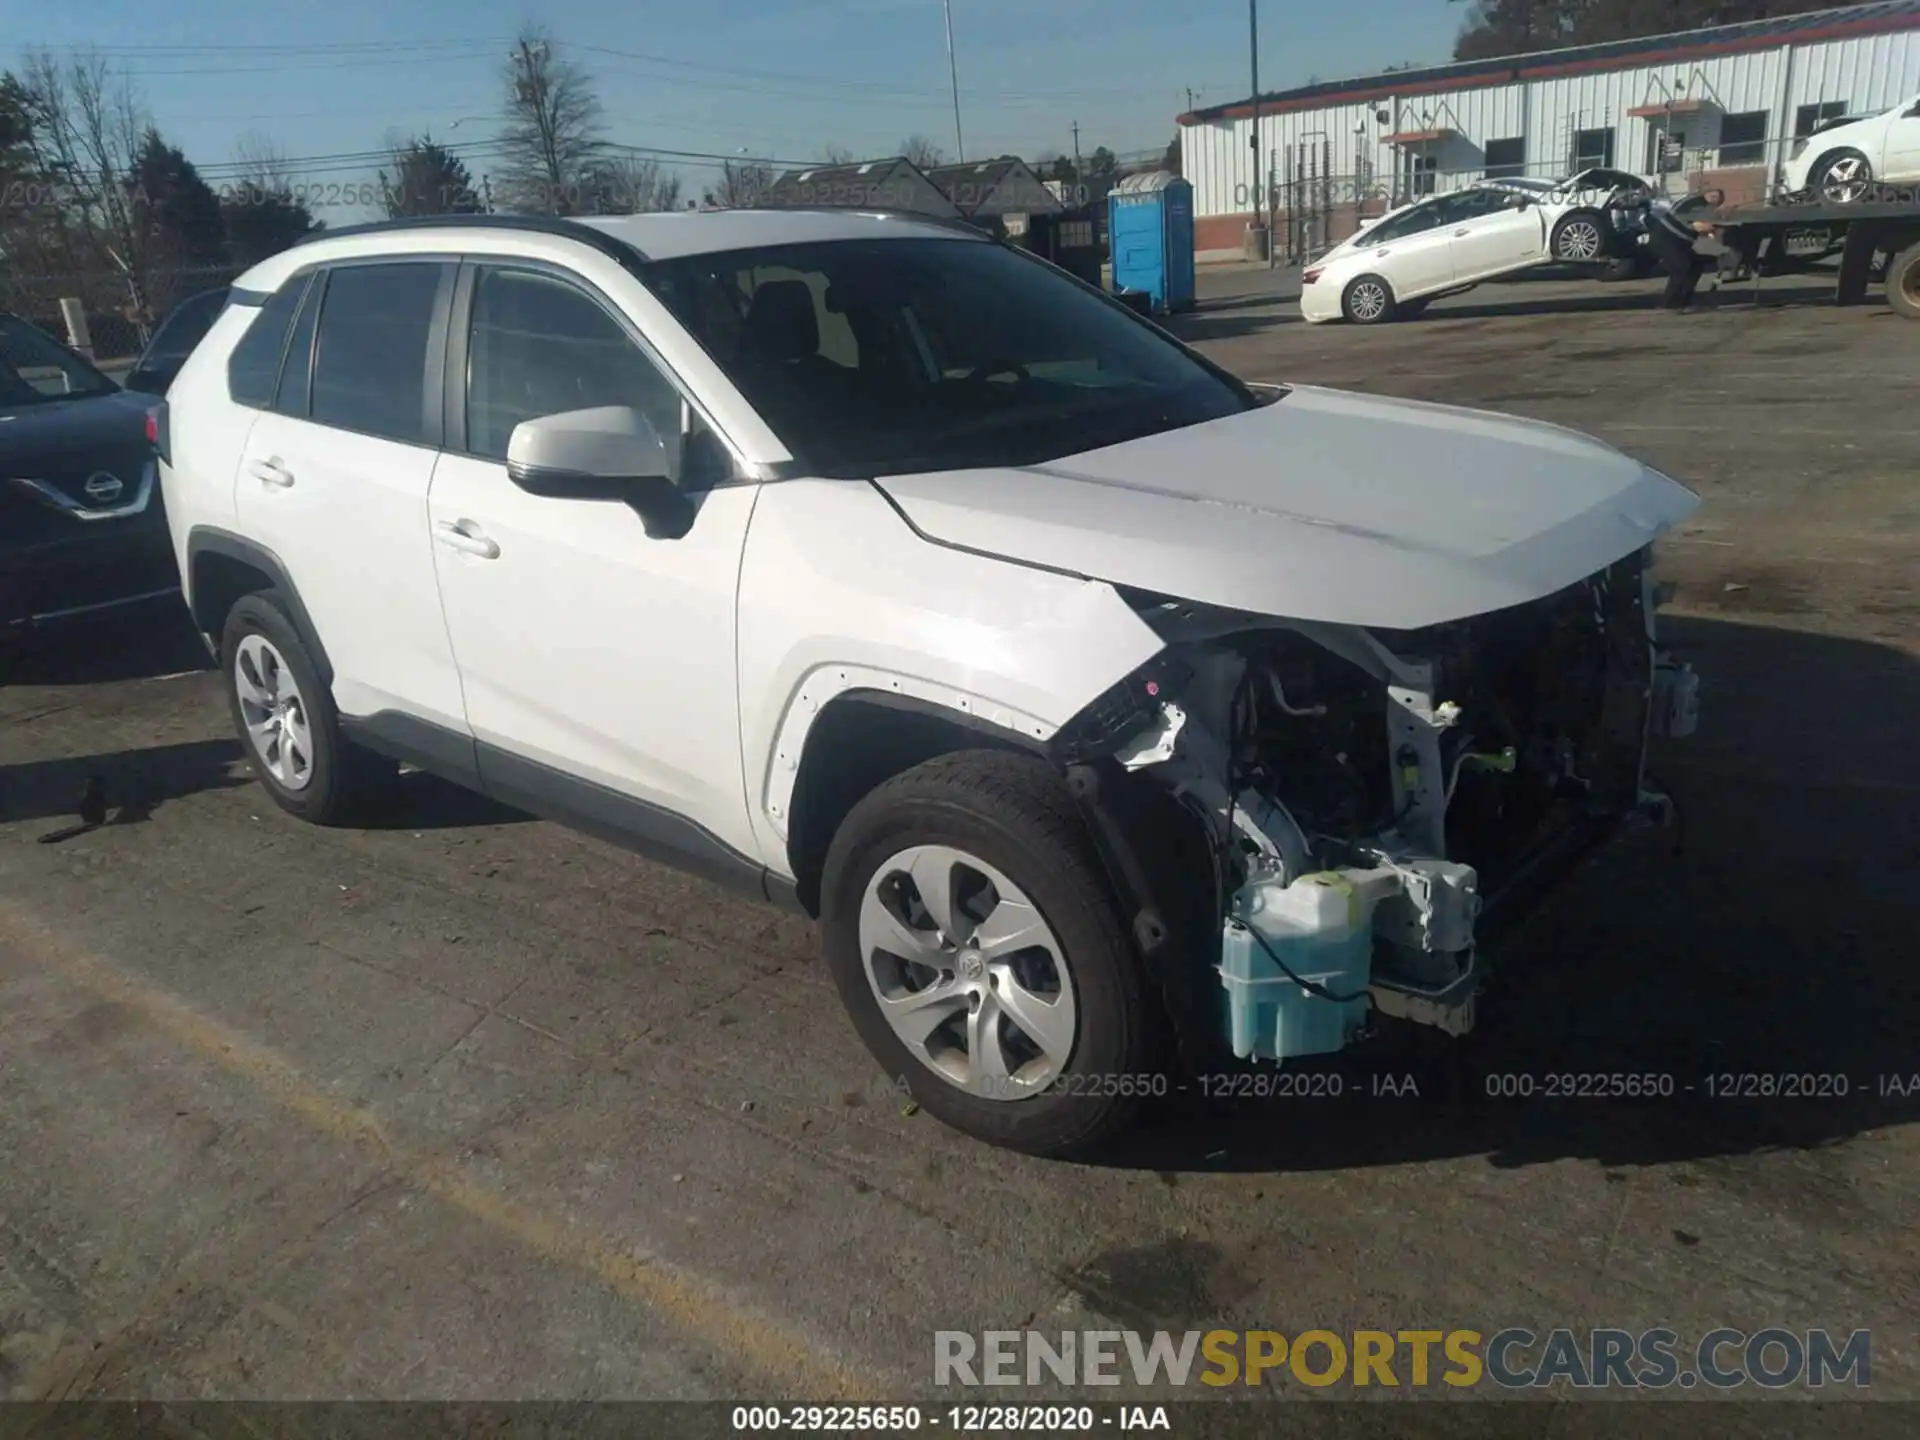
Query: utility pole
530, 60
1253, 54
1077, 181
1189, 99
953, 73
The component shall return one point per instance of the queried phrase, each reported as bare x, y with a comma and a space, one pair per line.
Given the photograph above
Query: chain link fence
115, 328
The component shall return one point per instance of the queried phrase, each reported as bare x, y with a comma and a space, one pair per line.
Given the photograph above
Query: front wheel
1578, 238
1841, 178
979, 951
1368, 301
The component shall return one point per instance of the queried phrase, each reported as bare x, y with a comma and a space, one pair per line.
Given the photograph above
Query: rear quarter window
253, 370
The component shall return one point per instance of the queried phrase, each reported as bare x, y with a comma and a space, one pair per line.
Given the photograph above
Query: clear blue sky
779, 79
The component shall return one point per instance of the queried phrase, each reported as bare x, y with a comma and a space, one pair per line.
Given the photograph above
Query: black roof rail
611, 246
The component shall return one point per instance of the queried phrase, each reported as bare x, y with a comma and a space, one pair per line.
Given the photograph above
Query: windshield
35, 368
893, 356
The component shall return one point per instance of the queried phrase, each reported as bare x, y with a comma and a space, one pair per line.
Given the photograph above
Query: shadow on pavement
132, 784
157, 640
1732, 297
1777, 943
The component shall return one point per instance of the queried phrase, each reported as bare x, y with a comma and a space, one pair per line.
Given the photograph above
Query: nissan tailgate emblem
101, 488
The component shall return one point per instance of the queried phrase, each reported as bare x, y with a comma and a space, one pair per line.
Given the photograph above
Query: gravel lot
474, 1107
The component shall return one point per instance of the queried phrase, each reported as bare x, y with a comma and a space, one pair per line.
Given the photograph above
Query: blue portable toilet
1150, 236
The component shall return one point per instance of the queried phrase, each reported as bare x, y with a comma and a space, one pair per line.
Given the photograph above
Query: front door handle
1458, 234
271, 472
464, 536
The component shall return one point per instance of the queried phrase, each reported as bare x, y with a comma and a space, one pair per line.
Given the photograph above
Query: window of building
1506, 157
1666, 150
1743, 138
1420, 171
1809, 117
1592, 148
370, 366
540, 346
254, 367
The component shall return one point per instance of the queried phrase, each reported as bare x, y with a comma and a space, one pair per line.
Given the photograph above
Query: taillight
1309, 276
157, 432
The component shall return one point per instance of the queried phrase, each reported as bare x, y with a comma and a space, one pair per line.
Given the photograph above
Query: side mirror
612, 452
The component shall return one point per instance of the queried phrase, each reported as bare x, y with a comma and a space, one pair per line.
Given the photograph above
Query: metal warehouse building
1717, 106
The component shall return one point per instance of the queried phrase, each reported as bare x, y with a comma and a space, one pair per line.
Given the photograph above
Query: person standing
1672, 229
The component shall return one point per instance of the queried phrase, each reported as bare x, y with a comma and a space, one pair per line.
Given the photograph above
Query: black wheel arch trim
210, 540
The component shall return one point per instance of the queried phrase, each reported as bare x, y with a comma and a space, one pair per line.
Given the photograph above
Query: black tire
346, 781
1820, 177
1903, 282
1579, 229
1012, 812
1366, 314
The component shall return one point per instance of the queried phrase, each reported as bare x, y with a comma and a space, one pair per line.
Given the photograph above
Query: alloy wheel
967, 972
1580, 240
273, 711
1845, 180
1368, 300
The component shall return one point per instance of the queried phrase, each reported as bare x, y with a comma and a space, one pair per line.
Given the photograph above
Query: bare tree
260, 161
552, 128
629, 184
263, 213
837, 155
89, 127
922, 153
740, 185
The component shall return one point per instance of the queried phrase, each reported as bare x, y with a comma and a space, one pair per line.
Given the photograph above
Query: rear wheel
286, 718
980, 953
1903, 282
1368, 300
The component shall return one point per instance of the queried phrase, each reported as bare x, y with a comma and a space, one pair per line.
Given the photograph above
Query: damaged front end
1377, 805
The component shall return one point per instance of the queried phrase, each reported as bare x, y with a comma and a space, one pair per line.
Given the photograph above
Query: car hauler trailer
1780, 239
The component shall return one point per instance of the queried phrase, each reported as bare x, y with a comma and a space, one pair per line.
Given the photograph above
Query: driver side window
539, 346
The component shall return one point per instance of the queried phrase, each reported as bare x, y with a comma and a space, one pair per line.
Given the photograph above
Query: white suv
1110, 714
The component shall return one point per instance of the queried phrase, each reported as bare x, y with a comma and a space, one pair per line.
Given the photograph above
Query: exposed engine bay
1374, 798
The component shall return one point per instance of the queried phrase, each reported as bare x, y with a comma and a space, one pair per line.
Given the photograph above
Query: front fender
838, 593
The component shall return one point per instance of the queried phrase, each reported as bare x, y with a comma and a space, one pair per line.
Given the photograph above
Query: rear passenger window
370, 366
254, 367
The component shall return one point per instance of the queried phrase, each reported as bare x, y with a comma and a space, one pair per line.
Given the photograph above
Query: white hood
1325, 505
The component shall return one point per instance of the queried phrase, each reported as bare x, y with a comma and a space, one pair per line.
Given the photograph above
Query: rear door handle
271, 472
463, 536
1460, 233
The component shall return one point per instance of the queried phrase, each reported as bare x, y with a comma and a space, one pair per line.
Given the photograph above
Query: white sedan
1840, 162
1391, 269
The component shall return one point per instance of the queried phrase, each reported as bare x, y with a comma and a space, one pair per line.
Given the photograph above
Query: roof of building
1004, 185
891, 184
1878, 18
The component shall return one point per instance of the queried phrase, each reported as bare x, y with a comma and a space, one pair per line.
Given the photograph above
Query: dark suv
82, 530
